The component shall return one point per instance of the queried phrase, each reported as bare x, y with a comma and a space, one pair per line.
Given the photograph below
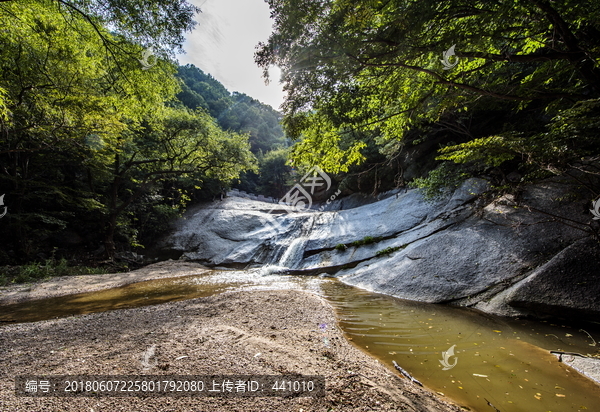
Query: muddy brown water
496, 362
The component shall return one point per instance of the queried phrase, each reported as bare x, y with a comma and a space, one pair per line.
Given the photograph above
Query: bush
341, 247
367, 240
50, 268
441, 180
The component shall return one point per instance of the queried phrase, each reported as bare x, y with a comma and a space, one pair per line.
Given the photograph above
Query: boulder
474, 256
566, 286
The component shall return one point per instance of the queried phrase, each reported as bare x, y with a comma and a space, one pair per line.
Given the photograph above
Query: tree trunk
113, 212
109, 236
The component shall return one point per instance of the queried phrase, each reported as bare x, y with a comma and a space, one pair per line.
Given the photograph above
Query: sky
223, 45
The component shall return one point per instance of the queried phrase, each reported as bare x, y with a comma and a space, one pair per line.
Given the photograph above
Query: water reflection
500, 362
497, 360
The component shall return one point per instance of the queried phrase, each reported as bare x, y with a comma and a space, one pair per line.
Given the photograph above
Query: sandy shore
266, 332
68, 285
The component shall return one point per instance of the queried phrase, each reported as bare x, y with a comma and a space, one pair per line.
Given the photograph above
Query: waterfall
294, 250
293, 254
290, 259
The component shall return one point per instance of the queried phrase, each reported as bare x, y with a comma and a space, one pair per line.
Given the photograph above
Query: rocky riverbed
258, 332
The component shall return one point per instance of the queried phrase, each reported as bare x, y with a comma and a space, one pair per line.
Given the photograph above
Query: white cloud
223, 44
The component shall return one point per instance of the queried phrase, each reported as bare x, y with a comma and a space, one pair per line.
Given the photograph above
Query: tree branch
586, 66
520, 58
442, 80
105, 41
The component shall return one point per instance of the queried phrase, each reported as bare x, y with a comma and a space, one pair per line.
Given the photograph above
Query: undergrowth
367, 240
32, 272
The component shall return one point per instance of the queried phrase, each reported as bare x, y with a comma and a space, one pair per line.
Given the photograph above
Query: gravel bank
265, 332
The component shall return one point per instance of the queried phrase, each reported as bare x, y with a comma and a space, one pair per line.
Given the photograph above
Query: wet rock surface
567, 285
460, 249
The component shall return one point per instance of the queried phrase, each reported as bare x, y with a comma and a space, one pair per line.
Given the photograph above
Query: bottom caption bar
171, 385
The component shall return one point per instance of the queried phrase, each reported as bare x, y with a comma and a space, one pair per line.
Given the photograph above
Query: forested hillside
233, 111
243, 114
97, 152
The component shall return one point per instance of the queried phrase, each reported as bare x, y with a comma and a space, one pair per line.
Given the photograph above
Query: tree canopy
158, 22
91, 141
374, 66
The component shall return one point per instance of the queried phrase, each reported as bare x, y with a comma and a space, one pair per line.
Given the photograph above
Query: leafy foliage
275, 173
388, 250
374, 67
570, 136
491, 150
32, 272
158, 22
440, 180
92, 145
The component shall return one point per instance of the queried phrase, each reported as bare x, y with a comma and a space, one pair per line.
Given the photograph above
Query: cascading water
293, 254
294, 249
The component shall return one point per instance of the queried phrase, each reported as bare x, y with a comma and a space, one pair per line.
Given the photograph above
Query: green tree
86, 134
63, 97
275, 172
374, 66
175, 143
159, 22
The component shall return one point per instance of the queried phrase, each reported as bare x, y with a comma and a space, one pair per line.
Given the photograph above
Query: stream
496, 361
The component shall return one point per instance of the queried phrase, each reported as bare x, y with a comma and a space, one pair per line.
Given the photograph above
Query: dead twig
406, 374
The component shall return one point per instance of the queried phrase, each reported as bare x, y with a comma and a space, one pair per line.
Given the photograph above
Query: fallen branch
406, 374
561, 353
490, 404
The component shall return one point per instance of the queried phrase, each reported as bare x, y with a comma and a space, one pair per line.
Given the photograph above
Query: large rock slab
457, 249
232, 231
480, 256
565, 286
242, 231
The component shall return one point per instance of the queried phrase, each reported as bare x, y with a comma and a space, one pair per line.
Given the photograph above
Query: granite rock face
566, 286
507, 256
